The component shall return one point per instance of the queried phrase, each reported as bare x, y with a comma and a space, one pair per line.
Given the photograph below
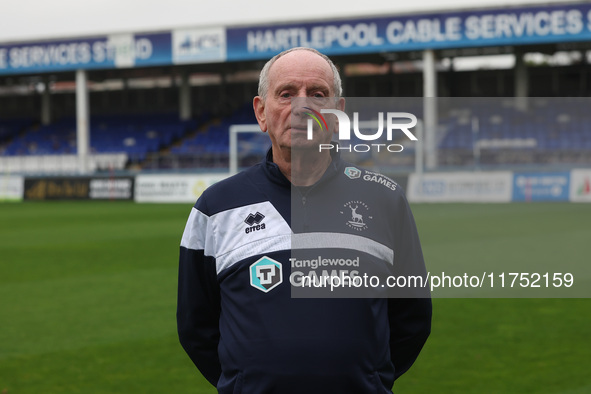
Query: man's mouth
299, 127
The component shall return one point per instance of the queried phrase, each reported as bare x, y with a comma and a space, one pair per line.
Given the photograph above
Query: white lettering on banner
346, 35
143, 49
557, 22
61, 54
71, 54
424, 30
542, 23
121, 50
574, 22
3, 63
99, 51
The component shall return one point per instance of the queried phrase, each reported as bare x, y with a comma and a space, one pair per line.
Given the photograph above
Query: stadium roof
386, 33
27, 20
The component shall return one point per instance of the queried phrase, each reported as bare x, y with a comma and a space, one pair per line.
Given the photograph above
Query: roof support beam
82, 121
430, 108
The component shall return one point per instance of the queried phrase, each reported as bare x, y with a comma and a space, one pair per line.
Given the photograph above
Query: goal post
234, 131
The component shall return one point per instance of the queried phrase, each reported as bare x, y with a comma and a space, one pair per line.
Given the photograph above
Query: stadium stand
506, 135
135, 135
136, 110
215, 138
10, 128
545, 133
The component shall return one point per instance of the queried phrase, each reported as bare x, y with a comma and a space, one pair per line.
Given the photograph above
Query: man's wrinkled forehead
292, 68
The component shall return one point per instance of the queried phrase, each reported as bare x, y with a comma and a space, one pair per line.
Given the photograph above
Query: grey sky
31, 20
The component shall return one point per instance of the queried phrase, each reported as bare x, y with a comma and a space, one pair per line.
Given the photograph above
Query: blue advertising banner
114, 51
512, 26
507, 26
533, 186
161, 49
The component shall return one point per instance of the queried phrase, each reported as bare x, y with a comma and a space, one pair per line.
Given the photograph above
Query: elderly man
237, 319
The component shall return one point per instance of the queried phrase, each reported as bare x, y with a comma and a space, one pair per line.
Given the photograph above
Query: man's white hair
264, 77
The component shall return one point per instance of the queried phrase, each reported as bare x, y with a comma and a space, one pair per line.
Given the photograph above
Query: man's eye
318, 95
285, 95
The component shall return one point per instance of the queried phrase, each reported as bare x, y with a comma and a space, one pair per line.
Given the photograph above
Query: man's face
298, 74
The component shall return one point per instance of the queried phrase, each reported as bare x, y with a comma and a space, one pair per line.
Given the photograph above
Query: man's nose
298, 105
302, 100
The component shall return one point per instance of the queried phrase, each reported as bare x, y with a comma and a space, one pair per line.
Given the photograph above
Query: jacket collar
273, 172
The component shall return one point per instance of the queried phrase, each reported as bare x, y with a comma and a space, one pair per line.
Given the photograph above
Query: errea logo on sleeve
254, 222
266, 274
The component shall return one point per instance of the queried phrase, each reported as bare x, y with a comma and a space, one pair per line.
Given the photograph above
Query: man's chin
298, 140
307, 146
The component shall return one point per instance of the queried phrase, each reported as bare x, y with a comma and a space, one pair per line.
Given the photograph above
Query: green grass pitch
88, 298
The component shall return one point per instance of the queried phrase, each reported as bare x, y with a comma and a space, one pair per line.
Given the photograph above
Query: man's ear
259, 111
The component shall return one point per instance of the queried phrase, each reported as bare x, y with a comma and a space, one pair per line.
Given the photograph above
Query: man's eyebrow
287, 86
290, 86
322, 88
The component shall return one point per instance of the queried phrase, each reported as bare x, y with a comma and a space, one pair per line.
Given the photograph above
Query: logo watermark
395, 121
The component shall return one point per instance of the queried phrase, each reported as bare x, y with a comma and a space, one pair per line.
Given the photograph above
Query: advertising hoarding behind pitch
173, 188
546, 186
11, 188
460, 187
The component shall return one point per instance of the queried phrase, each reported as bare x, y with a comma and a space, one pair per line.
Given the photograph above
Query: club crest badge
357, 215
